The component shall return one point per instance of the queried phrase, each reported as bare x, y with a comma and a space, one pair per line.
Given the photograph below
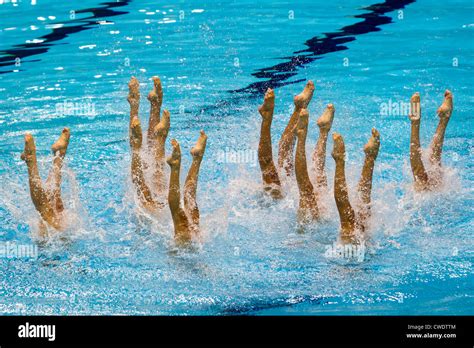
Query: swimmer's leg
181, 223
136, 138
308, 208
190, 186
346, 213
287, 140
419, 173
39, 196
133, 98
319, 154
160, 133
271, 181
53, 182
155, 97
138, 178
371, 150
444, 114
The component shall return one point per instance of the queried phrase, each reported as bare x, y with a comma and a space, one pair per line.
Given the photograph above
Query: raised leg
287, 140
346, 213
138, 178
319, 154
53, 183
308, 208
182, 226
371, 150
190, 186
136, 138
39, 195
133, 98
160, 133
419, 173
155, 97
271, 181
444, 114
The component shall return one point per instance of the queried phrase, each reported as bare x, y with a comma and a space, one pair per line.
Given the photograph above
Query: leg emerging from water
287, 140
136, 138
156, 135
160, 133
39, 195
346, 213
138, 178
190, 186
308, 208
271, 181
155, 97
419, 173
182, 226
371, 150
444, 114
53, 182
319, 154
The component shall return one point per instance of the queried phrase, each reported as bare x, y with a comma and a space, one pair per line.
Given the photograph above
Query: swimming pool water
252, 259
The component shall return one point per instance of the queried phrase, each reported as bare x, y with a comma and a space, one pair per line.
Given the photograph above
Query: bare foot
325, 120
302, 100
446, 109
133, 91
156, 94
29, 153
339, 150
266, 109
200, 147
175, 159
62, 143
302, 125
415, 108
373, 145
162, 128
135, 134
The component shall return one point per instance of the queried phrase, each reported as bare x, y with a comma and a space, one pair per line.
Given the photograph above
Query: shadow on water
277, 75
105, 10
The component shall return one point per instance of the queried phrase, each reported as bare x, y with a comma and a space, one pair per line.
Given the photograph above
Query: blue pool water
214, 60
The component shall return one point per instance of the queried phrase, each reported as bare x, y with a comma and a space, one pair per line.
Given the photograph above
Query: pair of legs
149, 195
423, 181
47, 198
351, 220
309, 197
271, 180
185, 220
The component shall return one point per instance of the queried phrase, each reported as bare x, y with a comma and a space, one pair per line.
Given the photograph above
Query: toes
415, 98
156, 82
269, 94
375, 133
133, 84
